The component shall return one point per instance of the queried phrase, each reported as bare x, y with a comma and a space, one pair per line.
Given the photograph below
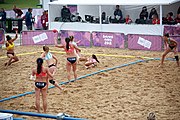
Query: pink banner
172, 30
145, 42
39, 37
1, 36
107, 39
82, 37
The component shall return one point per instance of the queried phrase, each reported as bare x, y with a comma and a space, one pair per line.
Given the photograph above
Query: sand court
126, 93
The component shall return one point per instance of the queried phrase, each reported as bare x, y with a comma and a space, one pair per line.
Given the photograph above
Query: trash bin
14, 24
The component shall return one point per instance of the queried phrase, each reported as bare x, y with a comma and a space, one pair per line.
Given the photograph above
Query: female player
10, 50
91, 62
46, 55
170, 45
41, 82
71, 57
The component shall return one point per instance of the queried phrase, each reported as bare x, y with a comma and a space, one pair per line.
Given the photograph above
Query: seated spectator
65, 14
155, 19
168, 19
103, 17
142, 16
118, 13
128, 19
177, 19
153, 12
178, 12
17, 11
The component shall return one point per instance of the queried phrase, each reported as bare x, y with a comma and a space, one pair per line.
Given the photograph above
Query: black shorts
10, 53
40, 85
172, 47
52, 65
72, 60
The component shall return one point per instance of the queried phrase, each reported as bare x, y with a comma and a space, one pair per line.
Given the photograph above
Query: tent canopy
113, 2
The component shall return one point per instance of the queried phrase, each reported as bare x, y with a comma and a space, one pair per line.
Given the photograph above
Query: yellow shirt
10, 46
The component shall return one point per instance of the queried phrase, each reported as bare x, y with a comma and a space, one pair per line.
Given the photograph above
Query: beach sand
125, 93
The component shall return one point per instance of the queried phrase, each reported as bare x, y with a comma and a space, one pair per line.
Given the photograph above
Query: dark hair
170, 13
39, 65
166, 34
94, 57
45, 48
71, 38
8, 37
67, 43
29, 9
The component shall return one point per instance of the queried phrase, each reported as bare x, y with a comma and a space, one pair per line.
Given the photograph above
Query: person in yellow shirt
10, 50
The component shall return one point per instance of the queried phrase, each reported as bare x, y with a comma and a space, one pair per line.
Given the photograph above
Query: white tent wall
88, 10
45, 5
171, 8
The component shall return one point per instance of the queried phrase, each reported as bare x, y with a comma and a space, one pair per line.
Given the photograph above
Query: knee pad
177, 58
52, 82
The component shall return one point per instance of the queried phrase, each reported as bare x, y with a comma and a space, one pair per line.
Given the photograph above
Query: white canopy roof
114, 2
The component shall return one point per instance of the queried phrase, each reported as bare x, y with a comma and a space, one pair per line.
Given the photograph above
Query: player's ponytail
67, 43
39, 65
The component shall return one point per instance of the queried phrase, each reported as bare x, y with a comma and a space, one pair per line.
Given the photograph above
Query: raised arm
15, 36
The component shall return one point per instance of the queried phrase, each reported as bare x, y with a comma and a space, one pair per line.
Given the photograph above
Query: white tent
96, 7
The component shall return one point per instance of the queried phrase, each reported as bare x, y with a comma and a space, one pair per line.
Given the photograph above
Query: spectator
178, 12
65, 14
17, 11
118, 13
2, 18
44, 20
153, 12
103, 17
168, 19
29, 19
177, 19
155, 19
128, 19
142, 16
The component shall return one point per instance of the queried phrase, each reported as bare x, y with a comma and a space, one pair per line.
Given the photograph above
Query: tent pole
161, 20
100, 21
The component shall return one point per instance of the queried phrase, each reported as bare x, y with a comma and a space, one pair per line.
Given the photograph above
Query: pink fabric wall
27, 37
107, 39
156, 42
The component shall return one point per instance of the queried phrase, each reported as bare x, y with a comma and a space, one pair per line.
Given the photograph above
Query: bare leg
37, 93
164, 55
53, 71
74, 70
12, 59
68, 67
44, 98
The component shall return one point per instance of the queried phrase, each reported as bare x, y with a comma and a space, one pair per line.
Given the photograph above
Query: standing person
17, 11
118, 13
71, 57
29, 19
41, 82
2, 18
46, 55
44, 20
10, 50
170, 45
77, 52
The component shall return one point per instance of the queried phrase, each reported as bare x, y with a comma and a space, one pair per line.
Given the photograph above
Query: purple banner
145, 42
72, 8
1, 36
39, 37
172, 30
82, 37
107, 39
